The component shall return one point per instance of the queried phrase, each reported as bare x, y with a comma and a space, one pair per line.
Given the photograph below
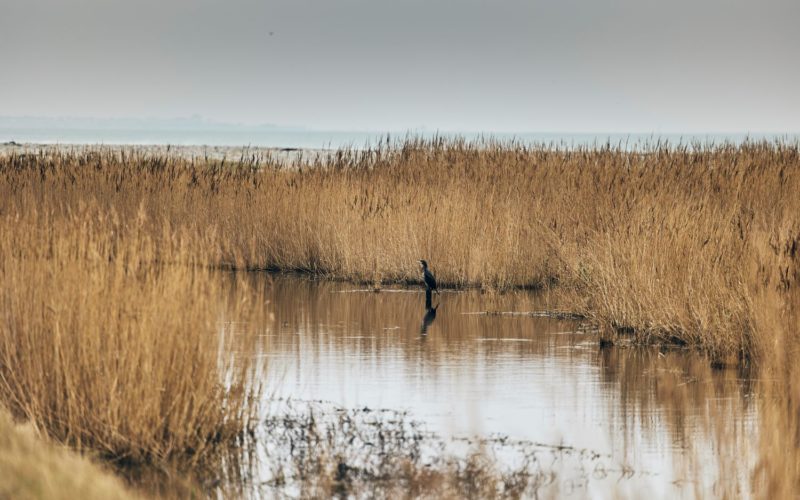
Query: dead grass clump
31, 468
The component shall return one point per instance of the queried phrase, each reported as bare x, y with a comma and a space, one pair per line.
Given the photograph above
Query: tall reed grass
111, 337
679, 244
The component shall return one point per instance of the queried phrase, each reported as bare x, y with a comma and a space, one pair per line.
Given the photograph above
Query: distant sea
317, 139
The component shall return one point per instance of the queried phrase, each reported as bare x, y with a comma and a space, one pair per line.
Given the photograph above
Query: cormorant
427, 276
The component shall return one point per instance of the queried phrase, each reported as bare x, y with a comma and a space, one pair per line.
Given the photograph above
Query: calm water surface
664, 423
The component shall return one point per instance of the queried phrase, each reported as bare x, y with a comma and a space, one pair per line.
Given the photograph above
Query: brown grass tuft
31, 468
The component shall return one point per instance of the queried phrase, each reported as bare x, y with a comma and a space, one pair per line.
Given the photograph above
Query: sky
639, 66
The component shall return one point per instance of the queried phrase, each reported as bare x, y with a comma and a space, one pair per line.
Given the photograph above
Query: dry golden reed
677, 244
111, 337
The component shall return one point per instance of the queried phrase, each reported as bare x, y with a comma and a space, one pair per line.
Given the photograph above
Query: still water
662, 421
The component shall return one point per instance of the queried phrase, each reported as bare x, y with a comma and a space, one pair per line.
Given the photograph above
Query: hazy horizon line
200, 123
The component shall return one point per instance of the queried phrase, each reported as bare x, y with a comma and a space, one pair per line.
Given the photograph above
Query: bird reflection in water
430, 313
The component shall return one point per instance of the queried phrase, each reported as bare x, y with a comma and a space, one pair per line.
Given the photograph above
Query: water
662, 422
322, 139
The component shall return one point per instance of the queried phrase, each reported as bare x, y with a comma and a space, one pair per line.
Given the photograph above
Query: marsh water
606, 421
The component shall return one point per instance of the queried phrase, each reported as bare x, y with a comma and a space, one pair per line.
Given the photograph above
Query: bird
427, 276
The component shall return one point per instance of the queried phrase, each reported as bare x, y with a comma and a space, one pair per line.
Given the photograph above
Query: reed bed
676, 244
112, 338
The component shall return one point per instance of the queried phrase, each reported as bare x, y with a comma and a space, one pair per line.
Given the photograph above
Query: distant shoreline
291, 145
322, 140
233, 153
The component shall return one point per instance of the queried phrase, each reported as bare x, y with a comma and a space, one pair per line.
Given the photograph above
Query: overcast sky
468, 65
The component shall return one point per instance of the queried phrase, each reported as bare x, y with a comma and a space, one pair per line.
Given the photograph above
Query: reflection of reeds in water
319, 451
390, 320
777, 474
703, 425
710, 415
334, 321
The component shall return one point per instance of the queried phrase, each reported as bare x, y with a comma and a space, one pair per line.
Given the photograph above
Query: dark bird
427, 276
